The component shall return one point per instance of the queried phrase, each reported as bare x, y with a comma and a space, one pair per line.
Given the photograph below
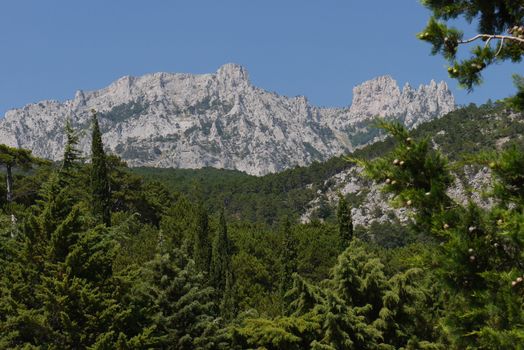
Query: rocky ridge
219, 120
374, 205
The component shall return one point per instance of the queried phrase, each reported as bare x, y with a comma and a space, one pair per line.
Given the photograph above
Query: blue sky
320, 49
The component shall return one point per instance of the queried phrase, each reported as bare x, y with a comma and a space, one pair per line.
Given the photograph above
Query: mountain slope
219, 120
312, 191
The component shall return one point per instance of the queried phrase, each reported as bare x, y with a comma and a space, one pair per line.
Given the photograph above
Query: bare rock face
219, 120
375, 205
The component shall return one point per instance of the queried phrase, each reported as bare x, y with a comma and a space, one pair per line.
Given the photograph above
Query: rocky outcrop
219, 120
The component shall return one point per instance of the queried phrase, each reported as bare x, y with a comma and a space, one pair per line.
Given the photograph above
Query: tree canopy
500, 37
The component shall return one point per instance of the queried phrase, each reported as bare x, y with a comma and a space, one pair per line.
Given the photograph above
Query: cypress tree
288, 257
100, 202
71, 153
202, 246
221, 256
345, 223
228, 302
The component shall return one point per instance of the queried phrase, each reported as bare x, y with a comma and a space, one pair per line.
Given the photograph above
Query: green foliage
14, 157
261, 199
345, 223
71, 153
480, 249
220, 257
517, 102
288, 256
202, 241
357, 308
100, 192
152, 279
180, 305
500, 26
416, 174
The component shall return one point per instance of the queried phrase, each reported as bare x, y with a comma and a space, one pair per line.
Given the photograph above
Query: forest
95, 255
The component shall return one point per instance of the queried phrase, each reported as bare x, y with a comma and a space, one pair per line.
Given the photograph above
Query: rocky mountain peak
218, 119
374, 97
382, 97
233, 74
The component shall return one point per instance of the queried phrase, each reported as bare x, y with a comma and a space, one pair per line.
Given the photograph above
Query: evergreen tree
417, 175
202, 246
71, 153
345, 223
11, 157
517, 102
221, 257
228, 307
181, 306
288, 257
61, 281
100, 192
500, 35
359, 280
479, 259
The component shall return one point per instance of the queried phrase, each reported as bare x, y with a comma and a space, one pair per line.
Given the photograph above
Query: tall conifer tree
202, 246
345, 223
99, 178
288, 256
71, 152
221, 256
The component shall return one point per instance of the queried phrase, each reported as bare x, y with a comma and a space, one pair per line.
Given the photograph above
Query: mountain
219, 120
312, 191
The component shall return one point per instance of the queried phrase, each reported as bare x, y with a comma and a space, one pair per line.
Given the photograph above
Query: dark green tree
345, 223
500, 35
220, 257
100, 191
71, 152
479, 260
288, 256
202, 245
417, 175
228, 304
181, 306
517, 102
11, 157
59, 290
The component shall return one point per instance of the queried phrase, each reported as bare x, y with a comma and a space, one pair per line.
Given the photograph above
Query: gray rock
219, 120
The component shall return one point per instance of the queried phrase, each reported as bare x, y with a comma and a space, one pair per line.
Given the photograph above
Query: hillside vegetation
101, 256
466, 131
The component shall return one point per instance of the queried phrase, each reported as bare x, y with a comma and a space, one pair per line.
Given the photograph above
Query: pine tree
478, 262
12, 157
345, 223
202, 246
221, 257
500, 35
417, 175
100, 191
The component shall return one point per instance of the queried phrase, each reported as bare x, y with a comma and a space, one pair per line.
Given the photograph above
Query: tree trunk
9, 184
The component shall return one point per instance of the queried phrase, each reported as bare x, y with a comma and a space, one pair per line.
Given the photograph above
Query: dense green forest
264, 200
94, 255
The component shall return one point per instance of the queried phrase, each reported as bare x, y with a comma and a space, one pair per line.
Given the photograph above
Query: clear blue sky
320, 49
